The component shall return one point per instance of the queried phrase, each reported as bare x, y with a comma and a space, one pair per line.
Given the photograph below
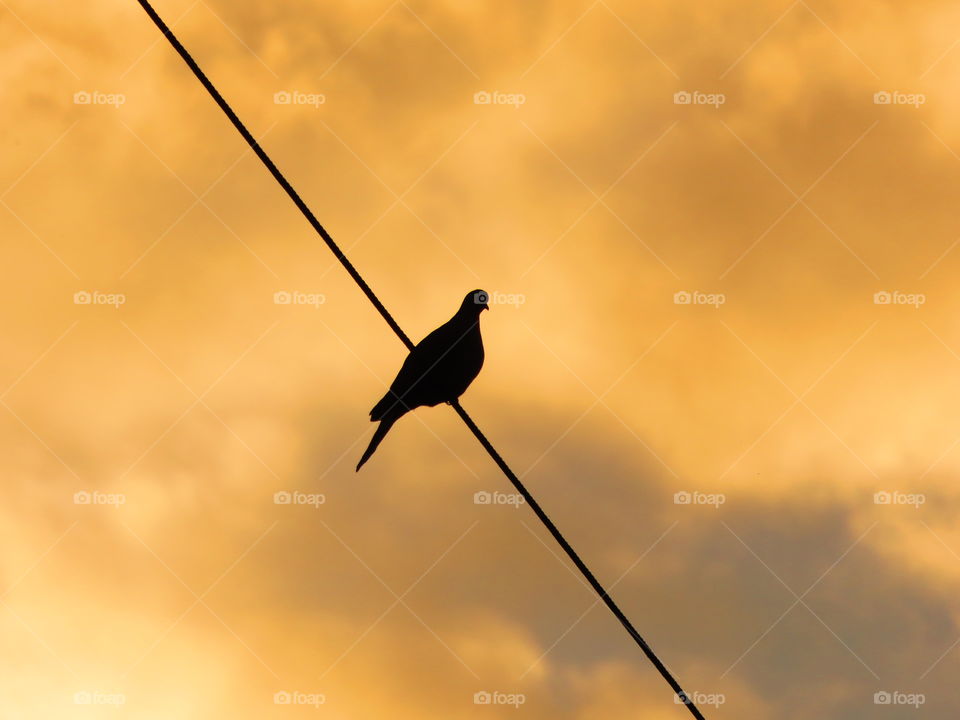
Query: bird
438, 369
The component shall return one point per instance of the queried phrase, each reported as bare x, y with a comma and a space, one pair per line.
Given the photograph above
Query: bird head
475, 302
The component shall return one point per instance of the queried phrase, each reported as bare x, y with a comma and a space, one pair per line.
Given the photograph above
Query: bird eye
481, 298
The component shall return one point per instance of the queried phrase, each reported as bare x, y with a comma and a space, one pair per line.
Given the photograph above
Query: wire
338, 253
275, 171
572, 554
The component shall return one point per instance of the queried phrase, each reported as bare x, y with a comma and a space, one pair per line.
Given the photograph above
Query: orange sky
803, 201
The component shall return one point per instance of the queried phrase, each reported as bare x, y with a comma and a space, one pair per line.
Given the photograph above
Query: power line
338, 253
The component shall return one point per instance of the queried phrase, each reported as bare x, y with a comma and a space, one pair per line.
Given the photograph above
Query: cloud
796, 399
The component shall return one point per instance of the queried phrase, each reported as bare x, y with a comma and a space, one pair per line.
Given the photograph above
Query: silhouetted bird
438, 369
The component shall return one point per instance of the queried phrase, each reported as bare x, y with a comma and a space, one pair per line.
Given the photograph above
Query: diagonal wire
348, 266
274, 170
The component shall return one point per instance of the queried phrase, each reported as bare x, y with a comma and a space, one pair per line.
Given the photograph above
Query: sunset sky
721, 240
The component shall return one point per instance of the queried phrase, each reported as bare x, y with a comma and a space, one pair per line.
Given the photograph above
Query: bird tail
381, 432
389, 404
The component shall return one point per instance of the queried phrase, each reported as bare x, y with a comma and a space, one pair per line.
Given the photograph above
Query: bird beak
485, 307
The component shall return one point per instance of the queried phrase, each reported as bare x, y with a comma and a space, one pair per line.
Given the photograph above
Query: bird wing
424, 356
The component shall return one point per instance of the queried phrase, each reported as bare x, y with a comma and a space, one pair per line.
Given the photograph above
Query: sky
722, 352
